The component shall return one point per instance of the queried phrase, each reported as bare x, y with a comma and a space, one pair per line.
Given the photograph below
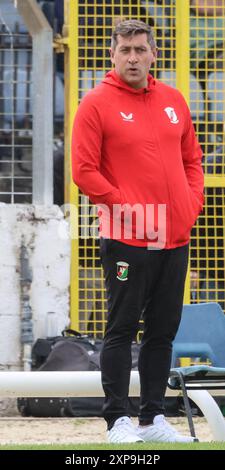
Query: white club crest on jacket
171, 115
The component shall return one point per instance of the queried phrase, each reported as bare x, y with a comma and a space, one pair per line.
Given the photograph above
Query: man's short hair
131, 28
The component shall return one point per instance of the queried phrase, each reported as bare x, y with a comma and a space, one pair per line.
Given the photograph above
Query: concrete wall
39, 228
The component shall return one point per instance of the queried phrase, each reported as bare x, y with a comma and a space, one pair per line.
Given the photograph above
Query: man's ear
112, 52
155, 55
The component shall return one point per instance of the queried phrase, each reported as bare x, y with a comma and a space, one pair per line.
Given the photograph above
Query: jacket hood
112, 78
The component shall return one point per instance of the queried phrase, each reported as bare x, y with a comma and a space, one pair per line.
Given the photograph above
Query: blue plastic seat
201, 334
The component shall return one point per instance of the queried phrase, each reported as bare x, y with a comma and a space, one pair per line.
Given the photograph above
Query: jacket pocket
196, 205
186, 208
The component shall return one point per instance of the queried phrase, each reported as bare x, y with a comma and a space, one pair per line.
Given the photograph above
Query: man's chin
132, 81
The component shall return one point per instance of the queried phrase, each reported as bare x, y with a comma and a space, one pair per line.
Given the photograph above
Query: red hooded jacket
138, 147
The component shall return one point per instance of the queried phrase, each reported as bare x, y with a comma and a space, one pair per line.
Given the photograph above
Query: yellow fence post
183, 47
183, 75
70, 31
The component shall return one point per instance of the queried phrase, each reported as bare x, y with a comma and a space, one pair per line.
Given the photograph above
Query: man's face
133, 58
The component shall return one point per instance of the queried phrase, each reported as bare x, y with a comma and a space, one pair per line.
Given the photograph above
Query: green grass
140, 446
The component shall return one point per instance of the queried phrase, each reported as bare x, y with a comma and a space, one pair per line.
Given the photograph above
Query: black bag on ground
72, 351
69, 352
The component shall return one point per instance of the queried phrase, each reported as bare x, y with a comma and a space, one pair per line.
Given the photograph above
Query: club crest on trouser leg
122, 270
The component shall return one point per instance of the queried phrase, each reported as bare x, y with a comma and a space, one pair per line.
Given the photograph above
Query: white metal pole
88, 384
56, 384
60, 384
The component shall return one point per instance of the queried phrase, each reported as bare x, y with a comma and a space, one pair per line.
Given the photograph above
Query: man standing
136, 156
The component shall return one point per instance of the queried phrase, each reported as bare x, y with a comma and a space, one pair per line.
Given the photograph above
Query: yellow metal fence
191, 58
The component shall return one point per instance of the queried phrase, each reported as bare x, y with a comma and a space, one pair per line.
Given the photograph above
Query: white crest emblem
171, 115
127, 117
122, 270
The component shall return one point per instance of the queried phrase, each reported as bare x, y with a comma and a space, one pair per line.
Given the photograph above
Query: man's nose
132, 59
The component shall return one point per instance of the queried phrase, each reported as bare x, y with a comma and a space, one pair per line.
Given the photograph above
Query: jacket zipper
169, 209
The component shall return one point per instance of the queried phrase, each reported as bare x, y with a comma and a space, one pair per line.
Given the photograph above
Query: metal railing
26, 104
15, 112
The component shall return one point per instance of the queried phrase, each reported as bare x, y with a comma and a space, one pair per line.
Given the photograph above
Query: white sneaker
161, 431
123, 430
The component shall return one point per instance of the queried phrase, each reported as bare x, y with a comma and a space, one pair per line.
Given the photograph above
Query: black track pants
151, 288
